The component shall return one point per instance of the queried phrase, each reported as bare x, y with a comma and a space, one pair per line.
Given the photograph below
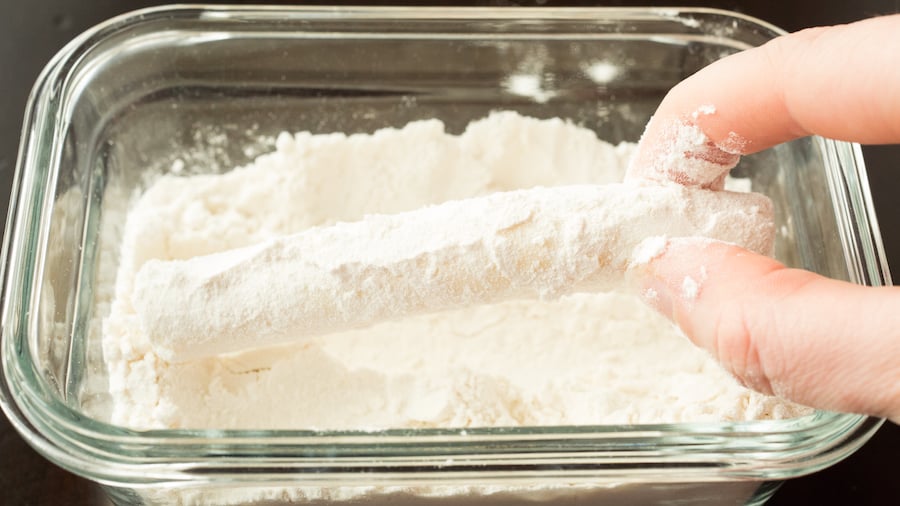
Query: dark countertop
33, 31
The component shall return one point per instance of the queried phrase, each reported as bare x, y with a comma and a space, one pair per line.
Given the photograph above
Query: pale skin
824, 343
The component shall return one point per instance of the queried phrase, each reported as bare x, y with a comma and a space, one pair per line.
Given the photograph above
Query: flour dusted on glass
582, 359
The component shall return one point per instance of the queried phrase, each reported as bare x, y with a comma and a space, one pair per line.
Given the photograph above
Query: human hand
821, 342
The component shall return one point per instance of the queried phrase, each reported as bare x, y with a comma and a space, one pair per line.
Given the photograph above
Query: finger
840, 82
820, 342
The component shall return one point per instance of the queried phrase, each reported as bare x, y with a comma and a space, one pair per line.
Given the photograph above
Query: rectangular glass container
126, 99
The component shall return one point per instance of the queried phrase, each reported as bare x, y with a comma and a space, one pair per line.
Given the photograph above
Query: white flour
584, 359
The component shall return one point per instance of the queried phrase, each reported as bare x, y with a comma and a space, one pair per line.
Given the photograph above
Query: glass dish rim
83, 444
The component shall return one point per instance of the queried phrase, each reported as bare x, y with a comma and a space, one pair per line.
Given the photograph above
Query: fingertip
704, 285
676, 277
830, 81
788, 332
677, 149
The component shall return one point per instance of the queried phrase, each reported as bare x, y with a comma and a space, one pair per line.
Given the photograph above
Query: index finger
841, 82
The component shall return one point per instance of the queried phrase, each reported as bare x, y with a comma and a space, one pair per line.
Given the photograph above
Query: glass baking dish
123, 101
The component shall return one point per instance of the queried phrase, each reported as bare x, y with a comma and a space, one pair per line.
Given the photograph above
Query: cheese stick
541, 242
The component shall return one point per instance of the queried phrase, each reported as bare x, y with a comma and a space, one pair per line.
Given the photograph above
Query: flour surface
582, 359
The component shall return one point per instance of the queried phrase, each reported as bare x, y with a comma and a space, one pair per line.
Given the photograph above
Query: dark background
32, 31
